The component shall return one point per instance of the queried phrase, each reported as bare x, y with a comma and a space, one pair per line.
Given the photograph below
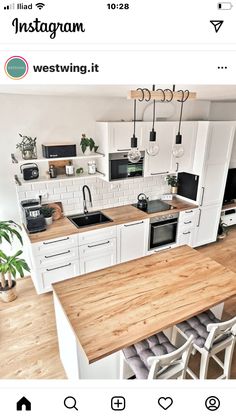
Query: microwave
121, 168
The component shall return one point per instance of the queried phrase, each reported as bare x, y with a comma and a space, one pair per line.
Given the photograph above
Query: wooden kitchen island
100, 313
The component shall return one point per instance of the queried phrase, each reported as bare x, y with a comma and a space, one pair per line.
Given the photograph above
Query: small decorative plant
172, 180
10, 266
48, 213
88, 143
27, 146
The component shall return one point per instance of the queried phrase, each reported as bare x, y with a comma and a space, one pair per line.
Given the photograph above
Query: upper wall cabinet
189, 135
116, 136
161, 163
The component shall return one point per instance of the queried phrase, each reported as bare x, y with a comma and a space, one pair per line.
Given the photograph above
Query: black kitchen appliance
156, 205
188, 185
142, 201
29, 171
51, 151
121, 168
163, 230
230, 187
33, 220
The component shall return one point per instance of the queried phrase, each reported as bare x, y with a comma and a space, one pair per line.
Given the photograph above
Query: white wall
57, 118
222, 111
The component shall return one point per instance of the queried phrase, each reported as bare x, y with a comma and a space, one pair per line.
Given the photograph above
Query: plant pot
48, 221
174, 189
8, 295
87, 152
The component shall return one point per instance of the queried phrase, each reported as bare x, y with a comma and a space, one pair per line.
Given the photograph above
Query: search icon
70, 403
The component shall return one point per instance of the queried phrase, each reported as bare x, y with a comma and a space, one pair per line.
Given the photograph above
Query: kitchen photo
118, 232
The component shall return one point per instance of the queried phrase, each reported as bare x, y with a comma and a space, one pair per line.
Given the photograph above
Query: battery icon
225, 5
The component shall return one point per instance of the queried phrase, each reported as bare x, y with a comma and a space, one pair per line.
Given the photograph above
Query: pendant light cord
181, 113
134, 115
154, 114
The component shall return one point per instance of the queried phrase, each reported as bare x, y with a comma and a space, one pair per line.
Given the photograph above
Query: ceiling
204, 92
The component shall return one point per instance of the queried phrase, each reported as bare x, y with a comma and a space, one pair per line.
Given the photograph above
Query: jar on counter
70, 170
91, 167
52, 171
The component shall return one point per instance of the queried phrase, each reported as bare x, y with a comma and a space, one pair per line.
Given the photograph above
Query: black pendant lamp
134, 154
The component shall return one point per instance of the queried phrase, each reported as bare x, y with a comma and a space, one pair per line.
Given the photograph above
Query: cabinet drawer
186, 225
187, 215
60, 257
58, 273
97, 247
97, 235
185, 237
55, 245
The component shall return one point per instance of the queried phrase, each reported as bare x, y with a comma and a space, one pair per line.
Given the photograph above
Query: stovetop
157, 205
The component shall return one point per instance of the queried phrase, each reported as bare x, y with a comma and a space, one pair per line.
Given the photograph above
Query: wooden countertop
119, 306
119, 215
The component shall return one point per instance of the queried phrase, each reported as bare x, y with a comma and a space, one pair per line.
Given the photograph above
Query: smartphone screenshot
117, 208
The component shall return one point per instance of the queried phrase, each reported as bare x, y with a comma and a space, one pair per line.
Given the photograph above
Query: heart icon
165, 402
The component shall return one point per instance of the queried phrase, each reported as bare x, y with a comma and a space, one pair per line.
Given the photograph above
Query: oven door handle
164, 225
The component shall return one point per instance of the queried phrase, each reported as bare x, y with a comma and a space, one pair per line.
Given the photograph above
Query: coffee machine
33, 219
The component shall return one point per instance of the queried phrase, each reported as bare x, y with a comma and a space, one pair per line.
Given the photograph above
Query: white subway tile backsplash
25, 188
59, 190
104, 194
67, 195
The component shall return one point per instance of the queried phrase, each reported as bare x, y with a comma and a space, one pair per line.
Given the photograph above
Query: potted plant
10, 266
172, 180
27, 146
222, 230
47, 213
88, 145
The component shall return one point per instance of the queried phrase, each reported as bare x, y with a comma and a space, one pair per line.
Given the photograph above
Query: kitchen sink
92, 218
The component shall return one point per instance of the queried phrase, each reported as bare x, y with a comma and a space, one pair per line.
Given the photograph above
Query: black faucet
84, 198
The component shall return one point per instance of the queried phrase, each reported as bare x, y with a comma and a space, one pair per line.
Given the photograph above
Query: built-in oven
121, 168
163, 230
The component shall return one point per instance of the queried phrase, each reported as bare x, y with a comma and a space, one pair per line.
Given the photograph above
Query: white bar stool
156, 358
211, 336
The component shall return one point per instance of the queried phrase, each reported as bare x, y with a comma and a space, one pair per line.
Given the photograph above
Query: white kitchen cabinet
217, 158
116, 136
53, 261
57, 273
161, 163
207, 224
132, 239
97, 255
186, 227
189, 134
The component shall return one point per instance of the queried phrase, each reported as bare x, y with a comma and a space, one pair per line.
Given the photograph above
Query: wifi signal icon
40, 5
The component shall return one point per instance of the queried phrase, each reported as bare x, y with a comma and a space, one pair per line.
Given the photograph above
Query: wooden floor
28, 340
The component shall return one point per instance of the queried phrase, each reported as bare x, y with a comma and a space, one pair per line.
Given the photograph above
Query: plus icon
118, 403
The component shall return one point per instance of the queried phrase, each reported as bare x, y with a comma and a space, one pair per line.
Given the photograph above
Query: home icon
23, 404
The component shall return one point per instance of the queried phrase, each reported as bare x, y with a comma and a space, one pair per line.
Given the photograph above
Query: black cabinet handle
203, 191
57, 241
187, 222
159, 173
57, 254
135, 224
199, 219
59, 267
187, 232
99, 244
188, 212
123, 149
